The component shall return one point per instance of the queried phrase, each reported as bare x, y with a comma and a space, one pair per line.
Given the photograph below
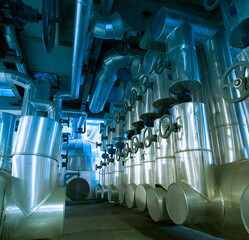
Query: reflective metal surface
162, 95
79, 155
7, 128
165, 158
137, 67
121, 195
35, 156
119, 126
46, 222
156, 203
227, 122
236, 21
140, 196
106, 78
194, 161
181, 53
104, 192
166, 20
130, 194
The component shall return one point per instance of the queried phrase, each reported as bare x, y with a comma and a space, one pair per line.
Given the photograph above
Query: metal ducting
107, 76
7, 128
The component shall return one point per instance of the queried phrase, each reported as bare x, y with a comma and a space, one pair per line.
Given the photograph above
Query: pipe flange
241, 83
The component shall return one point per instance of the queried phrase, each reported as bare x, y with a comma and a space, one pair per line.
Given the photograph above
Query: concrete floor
107, 220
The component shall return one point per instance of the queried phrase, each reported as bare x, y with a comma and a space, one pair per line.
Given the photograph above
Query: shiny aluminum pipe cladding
7, 128
46, 222
190, 200
153, 66
35, 156
137, 171
227, 122
181, 55
79, 155
165, 175
166, 20
149, 168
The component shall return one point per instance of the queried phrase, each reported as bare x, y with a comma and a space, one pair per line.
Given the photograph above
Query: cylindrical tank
137, 105
35, 156
129, 128
110, 133
79, 155
181, 54
236, 21
7, 129
227, 123
119, 126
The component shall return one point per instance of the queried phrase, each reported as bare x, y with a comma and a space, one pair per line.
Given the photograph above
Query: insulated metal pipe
107, 76
181, 55
111, 27
149, 168
227, 123
45, 105
14, 77
166, 20
35, 158
80, 114
7, 129
81, 26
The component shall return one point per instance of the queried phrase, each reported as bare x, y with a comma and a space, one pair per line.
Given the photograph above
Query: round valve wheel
159, 66
133, 97
126, 150
126, 107
166, 127
135, 144
118, 118
144, 83
147, 137
241, 83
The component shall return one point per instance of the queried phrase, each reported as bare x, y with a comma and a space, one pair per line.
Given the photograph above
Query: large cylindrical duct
79, 155
137, 171
243, 55
165, 175
227, 123
106, 78
188, 200
7, 128
149, 168
181, 55
166, 20
35, 159
236, 21
127, 170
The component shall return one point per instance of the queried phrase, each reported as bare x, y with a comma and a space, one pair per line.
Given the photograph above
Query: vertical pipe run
227, 123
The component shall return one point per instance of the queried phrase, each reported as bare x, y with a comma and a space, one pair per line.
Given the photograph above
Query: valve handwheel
166, 127
133, 97
126, 150
159, 66
118, 118
147, 137
241, 83
134, 144
144, 83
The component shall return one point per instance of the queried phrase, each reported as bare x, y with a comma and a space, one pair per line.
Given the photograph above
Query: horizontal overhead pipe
82, 115
107, 76
21, 80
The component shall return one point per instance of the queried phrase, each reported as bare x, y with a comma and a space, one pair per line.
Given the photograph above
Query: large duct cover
79, 155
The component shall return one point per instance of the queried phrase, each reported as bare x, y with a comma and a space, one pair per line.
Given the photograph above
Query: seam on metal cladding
37, 155
194, 150
228, 125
